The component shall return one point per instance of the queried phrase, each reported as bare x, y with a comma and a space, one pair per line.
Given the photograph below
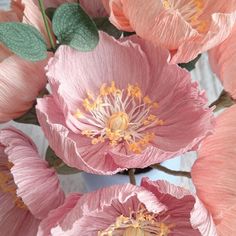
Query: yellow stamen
120, 116
140, 223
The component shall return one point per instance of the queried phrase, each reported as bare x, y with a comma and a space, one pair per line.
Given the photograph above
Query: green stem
42, 9
171, 172
132, 176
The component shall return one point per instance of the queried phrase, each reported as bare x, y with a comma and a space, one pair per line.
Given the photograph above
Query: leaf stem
171, 172
132, 176
42, 9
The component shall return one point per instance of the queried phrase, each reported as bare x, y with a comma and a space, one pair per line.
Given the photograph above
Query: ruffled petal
94, 8
222, 59
56, 217
214, 173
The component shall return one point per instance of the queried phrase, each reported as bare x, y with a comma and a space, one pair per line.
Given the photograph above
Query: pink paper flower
186, 28
223, 61
28, 188
214, 173
155, 208
20, 83
121, 106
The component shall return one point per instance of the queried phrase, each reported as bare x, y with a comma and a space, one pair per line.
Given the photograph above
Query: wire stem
171, 172
132, 176
49, 33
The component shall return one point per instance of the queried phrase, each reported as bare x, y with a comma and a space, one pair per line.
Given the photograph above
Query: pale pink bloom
214, 173
28, 188
20, 83
223, 62
155, 208
121, 106
185, 27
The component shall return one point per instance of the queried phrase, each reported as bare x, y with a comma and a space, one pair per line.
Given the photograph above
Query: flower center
125, 117
118, 121
7, 186
191, 11
139, 223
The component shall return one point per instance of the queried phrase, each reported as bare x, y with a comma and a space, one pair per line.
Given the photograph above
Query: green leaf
73, 27
58, 164
105, 25
24, 40
190, 65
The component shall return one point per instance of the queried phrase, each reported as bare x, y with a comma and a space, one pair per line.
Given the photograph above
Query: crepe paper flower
222, 59
28, 188
120, 106
214, 173
20, 83
155, 208
186, 28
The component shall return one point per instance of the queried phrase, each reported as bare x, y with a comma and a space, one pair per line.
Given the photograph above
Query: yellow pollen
166, 4
134, 91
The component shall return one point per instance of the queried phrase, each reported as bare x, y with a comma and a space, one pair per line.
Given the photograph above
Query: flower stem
171, 172
132, 176
42, 9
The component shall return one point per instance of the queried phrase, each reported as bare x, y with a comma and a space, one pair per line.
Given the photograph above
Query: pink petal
21, 81
31, 174
217, 162
57, 216
222, 60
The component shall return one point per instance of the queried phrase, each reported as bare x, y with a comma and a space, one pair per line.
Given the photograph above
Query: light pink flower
121, 106
28, 188
155, 208
186, 27
223, 61
214, 173
20, 83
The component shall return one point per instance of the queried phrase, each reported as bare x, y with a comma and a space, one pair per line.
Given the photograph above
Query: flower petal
217, 162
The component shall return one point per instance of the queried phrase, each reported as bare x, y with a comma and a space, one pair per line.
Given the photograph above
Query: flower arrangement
108, 82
